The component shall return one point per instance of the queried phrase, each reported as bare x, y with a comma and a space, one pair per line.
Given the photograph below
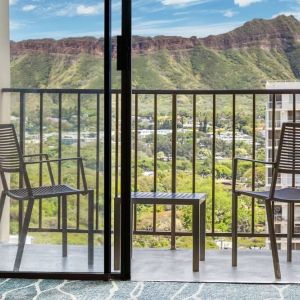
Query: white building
283, 113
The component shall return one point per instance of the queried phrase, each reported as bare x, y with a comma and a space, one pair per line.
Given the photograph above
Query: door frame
126, 233
126, 94
107, 136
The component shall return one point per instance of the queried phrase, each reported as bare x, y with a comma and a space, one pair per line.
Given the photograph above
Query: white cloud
13, 25
88, 10
183, 2
229, 13
29, 7
13, 2
243, 3
151, 29
71, 10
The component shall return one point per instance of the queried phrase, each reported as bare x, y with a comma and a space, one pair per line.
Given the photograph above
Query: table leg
290, 232
173, 227
117, 234
202, 230
196, 237
91, 228
131, 222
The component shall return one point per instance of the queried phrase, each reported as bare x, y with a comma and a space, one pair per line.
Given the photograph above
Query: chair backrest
11, 159
288, 156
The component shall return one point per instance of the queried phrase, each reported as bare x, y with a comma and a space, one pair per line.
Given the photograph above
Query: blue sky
62, 18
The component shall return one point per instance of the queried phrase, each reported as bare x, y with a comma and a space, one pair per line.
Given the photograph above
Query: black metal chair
13, 161
287, 161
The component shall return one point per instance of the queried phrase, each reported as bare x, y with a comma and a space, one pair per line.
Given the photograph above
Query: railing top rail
52, 91
155, 91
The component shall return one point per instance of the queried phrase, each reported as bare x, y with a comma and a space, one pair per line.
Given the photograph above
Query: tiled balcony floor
254, 266
48, 258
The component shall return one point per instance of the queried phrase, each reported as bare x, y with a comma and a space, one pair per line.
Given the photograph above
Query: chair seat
43, 192
283, 195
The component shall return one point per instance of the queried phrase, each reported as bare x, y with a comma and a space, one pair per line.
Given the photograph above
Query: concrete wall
4, 98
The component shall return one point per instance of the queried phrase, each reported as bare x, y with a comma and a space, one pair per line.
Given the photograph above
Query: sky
33, 19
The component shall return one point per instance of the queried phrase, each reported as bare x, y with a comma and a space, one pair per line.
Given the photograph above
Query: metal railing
249, 97
21, 122
277, 123
214, 96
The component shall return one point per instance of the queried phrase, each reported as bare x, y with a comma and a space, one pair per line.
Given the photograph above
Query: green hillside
184, 69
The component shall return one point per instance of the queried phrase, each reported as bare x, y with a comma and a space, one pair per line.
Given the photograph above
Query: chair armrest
235, 167
51, 160
41, 155
36, 155
78, 159
254, 161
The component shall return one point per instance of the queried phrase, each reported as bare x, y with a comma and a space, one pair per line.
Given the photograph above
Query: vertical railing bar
117, 208
78, 155
233, 126
59, 153
155, 160
213, 195
174, 151
253, 157
117, 148
97, 159
273, 125
41, 151
273, 134
293, 176
194, 144
22, 146
136, 128
117, 204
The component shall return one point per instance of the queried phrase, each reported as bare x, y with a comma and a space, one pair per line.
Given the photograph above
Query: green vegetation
197, 68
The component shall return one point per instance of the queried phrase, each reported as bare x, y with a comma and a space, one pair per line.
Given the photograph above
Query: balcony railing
184, 123
271, 142
277, 123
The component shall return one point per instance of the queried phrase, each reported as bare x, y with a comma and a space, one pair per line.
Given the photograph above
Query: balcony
175, 148
161, 264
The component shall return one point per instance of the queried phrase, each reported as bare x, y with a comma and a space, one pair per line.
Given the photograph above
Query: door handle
122, 64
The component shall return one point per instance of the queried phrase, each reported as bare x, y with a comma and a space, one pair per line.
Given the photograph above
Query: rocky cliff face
73, 46
281, 32
93, 46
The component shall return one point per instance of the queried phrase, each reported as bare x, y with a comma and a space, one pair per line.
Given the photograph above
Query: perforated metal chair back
11, 159
288, 156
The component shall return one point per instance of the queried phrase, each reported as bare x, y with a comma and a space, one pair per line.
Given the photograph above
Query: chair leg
91, 228
64, 227
2, 203
23, 235
117, 234
290, 232
234, 228
273, 240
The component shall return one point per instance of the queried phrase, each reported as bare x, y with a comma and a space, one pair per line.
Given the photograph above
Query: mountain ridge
245, 57
280, 33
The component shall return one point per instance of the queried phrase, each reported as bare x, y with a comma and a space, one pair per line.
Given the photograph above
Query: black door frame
126, 211
125, 160
107, 137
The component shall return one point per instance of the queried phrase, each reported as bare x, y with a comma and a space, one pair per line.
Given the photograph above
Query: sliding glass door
68, 234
